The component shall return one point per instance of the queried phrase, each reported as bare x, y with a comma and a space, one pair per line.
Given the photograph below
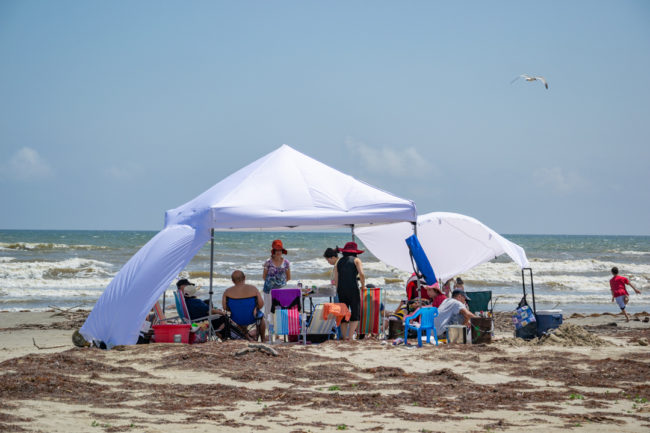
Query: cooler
167, 333
548, 319
481, 330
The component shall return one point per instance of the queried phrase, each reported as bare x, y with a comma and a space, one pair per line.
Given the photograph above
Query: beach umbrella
454, 243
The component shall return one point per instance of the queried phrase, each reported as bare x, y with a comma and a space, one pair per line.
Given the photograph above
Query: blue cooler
548, 319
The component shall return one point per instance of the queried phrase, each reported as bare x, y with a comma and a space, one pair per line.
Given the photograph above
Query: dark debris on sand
86, 376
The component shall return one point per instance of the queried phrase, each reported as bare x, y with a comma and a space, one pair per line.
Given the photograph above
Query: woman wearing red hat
346, 271
276, 273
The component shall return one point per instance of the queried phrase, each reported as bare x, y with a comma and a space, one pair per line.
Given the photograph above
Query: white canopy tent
282, 190
454, 243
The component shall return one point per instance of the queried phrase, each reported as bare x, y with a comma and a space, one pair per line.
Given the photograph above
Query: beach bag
199, 334
524, 321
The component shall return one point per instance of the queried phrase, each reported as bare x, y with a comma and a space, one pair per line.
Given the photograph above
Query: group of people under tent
347, 276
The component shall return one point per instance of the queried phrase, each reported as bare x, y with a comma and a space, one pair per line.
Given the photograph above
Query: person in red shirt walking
619, 292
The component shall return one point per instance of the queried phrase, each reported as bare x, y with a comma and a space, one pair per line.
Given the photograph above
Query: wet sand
594, 377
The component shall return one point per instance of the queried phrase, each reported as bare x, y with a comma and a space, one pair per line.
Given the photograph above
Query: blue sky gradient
113, 112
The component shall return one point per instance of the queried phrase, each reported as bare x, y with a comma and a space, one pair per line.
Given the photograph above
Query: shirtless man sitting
242, 290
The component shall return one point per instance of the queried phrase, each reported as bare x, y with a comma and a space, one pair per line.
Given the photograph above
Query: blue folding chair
244, 312
427, 323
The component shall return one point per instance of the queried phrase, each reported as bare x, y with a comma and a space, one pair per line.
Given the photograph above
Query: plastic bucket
168, 333
456, 334
548, 319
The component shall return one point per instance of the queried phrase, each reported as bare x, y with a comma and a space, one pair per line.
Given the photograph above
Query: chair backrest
285, 298
479, 301
286, 321
370, 322
181, 307
242, 310
320, 326
285, 306
427, 316
159, 313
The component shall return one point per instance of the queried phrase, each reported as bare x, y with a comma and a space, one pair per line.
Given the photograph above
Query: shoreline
366, 385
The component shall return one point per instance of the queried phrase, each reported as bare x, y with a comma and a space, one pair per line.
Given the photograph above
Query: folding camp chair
285, 307
480, 301
371, 316
426, 323
159, 316
183, 313
321, 328
244, 312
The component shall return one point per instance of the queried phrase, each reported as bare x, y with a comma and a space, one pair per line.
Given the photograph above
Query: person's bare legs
263, 331
353, 328
344, 330
627, 318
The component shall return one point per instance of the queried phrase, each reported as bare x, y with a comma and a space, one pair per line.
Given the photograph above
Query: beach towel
337, 310
287, 321
421, 259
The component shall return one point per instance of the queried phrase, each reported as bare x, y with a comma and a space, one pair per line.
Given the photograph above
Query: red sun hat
351, 247
277, 245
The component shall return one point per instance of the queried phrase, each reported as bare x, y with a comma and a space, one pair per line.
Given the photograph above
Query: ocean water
44, 268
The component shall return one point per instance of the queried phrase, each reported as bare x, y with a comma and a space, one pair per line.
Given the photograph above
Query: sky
113, 112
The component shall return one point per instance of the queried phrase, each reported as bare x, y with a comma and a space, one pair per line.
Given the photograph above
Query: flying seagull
529, 78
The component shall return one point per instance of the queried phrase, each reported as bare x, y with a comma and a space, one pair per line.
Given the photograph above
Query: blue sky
113, 112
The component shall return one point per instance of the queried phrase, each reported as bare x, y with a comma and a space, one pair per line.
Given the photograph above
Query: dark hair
459, 292
183, 282
330, 252
459, 280
615, 270
348, 254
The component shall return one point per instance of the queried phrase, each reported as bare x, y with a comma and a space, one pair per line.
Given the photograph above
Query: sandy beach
594, 378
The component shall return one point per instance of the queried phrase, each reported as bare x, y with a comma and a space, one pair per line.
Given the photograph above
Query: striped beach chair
159, 316
287, 321
285, 307
371, 320
320, 325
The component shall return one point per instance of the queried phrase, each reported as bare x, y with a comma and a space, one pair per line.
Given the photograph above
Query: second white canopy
454, 243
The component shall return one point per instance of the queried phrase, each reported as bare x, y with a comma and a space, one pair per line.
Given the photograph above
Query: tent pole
417, 277
352, 230
212, 330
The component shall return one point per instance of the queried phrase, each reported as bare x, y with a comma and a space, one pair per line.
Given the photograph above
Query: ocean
40, 269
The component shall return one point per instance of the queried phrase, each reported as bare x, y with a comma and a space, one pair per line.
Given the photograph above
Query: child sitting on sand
619, 292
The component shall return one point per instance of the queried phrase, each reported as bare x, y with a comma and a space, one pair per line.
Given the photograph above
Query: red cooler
172, 333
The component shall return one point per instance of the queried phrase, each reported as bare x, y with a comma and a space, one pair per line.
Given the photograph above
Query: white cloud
123, 172
559, 179
392, 162
26, 164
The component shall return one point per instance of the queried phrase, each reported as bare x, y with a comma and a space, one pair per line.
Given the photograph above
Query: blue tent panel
421, 259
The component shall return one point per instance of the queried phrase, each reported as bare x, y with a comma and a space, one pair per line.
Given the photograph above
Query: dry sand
594, 376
